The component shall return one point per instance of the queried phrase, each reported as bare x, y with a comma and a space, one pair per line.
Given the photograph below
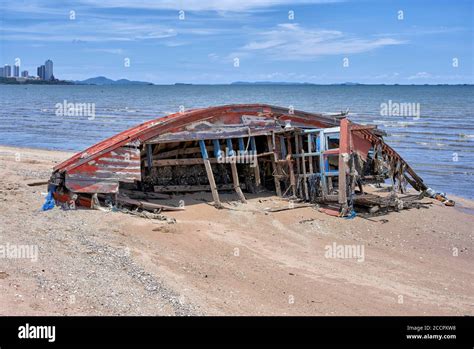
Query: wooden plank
241, 145
362, 127
331, 152
210, 175
271, 147
253, 146
190, 188
297, 151
217, 133
147, 205
310, 150
37, 183
217, 148
331, 197
283, 147
322, 147
235, 179
178, 152
269, 153
286, 208
212, 183
344, 150
149, 155
235, 174
332, 174
290, 167
305, 182
136, 194
181, 162
196, 161
230, 148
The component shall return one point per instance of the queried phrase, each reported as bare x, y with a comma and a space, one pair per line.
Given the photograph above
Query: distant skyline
46, 74
211, 42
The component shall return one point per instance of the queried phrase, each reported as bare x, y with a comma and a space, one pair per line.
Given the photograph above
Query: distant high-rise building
41, 72
1, 72
24, 74
7, 71
16, 71
48, 73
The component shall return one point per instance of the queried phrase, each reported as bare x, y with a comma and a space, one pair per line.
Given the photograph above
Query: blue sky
100, 37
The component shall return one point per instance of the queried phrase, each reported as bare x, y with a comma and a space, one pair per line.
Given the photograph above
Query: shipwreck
321, 159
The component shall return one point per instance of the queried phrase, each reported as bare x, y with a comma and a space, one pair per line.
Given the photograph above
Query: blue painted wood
202, 145
320, 145
229, 147
217, 148
241, 145
312, 130
253, 146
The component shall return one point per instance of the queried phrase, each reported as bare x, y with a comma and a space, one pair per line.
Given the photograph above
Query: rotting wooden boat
319, 158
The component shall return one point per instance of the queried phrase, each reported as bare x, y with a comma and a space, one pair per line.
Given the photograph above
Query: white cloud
387, 76
213, 57
291, 41
87, 30
202, 5
420, 75
113, 51
263, 44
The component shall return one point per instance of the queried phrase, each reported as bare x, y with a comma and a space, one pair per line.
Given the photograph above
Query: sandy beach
241, 260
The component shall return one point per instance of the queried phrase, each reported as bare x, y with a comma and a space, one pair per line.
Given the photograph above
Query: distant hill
102, 80
269, 83
348, 84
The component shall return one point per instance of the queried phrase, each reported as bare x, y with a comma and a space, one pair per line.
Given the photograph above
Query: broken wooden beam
289, 207
136, 194
190, 188
310, 150
235, 174
344, 153
180, 162
149, 155
146, 205
271, 148
210, 175
179, 152
290, 168
303, 164
253, 147
235, 178
37, 183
